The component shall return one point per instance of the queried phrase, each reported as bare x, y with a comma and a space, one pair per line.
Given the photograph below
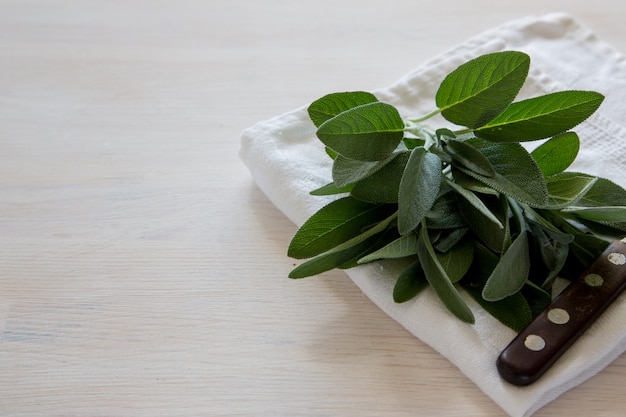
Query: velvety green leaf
517, 173
439, 281
511, 273
331, 189
482, 88
469, 157
456, 262
334, 224
384, 184
567, 188
370, 132
402, 247
346, 254
609, 214
449, 238
410, 283
476, 202
541, 117
445, 213
557, 154
471, 183
348, 171
490, 233
419, 189
332, 259
333, 104
513, 311
587, 248
604, 193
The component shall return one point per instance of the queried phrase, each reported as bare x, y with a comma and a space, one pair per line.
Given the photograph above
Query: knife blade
536, 348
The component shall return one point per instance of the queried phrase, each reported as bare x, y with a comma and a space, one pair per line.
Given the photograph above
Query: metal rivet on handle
617, 258
594, 280
534, 342
558, 316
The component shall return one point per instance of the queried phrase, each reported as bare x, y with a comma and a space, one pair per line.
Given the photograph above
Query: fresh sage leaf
331, 105
557, 154
348, 171
439, 281
457, 261
445, 213
384, 184
334, 224
369, 132
606, 214
419, 189
449, 238
567, 188
541, 117
517, 173
411, 282
332, 259
513, 311
402, 247
491, 233
476, 202
511, 273
469, 157
331, 189
482, 88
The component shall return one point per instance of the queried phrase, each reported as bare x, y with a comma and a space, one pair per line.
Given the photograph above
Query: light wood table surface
142, 273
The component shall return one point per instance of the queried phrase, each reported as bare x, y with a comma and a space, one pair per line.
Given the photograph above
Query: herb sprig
468, 208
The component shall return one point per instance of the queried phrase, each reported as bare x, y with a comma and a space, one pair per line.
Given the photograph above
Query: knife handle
549, 335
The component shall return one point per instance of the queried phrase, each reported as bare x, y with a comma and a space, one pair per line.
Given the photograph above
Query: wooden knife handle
550, 334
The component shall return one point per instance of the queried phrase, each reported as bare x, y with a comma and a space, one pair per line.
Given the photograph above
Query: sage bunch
464, 207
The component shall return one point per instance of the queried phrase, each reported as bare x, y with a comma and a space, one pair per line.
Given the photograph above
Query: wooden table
142, 273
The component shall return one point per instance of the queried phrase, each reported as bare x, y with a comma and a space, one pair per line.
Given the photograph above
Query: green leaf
334, 224
445, 213
512, 311
557, 154
402, 247
517, 173
411, 282
333, 104
419, 189
606, 214
482, 88
330, 189
567, 188
348, 171
476, 202
346, 254
449, 238
369, 132
541, 117
487, 231
604, 193
384, 184
439, 281
469, 157
511, 273
331, 260
456, 262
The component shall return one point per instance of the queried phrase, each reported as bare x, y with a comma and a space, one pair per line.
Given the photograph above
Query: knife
535, 349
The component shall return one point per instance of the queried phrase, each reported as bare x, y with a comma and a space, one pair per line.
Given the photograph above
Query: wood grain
142, 273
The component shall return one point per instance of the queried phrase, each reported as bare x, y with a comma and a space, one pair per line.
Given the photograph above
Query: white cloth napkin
287, 161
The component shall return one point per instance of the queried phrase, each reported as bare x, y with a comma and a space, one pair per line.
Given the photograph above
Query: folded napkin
287, 161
